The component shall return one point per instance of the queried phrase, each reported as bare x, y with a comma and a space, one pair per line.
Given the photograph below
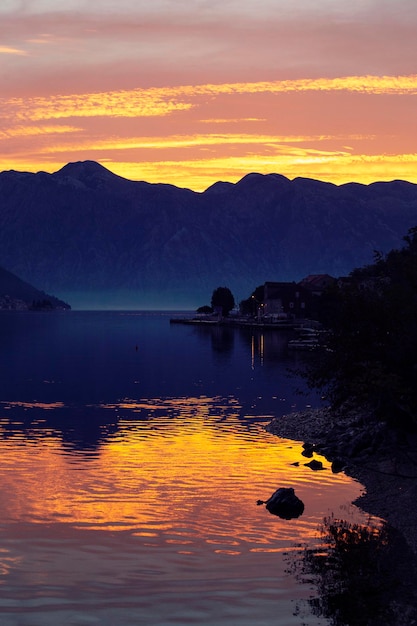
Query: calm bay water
132, 453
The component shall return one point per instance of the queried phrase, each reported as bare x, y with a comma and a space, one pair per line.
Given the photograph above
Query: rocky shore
385, 462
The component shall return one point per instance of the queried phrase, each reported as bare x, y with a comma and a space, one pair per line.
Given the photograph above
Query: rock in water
284, 503
314, 465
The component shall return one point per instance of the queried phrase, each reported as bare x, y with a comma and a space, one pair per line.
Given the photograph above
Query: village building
294, 300
317, 283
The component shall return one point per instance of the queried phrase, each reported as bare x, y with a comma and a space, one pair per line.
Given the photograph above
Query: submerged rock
284, 503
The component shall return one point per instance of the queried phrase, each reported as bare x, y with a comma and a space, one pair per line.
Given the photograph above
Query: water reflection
260, 347
82, 429
167, 459
170, 498
129, 478
222, 341
359, 573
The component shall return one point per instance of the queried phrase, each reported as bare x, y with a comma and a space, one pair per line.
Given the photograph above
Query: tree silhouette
372, 343
223, 298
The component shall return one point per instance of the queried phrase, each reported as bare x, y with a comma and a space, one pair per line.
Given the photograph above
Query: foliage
41, 305
206, 310
371, 354
223, 298
250, 305
356, 574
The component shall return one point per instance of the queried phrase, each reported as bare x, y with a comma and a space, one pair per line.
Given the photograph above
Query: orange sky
194, 91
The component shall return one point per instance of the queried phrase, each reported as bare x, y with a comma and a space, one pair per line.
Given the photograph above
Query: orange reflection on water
8, 561
183, 472
34, 405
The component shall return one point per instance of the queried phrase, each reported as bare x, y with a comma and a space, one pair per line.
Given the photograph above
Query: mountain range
98, 240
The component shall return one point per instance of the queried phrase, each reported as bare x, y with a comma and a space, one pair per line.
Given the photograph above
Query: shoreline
382, 461
241, 322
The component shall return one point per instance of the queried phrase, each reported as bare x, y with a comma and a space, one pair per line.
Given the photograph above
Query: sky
189, 92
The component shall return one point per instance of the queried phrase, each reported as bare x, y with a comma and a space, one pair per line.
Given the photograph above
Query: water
132, 456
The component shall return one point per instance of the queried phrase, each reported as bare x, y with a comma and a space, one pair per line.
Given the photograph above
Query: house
287, 299
295, 300
317, 283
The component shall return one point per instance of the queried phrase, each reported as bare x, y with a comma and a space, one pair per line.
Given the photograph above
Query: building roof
317, 282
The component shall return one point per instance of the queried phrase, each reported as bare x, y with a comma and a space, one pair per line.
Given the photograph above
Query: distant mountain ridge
97, 239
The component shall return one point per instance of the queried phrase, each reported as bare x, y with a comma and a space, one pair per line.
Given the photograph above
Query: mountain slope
97, 238
16, 293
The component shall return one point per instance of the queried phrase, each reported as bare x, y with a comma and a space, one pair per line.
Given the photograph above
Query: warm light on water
142, 510
195, 465
163, 513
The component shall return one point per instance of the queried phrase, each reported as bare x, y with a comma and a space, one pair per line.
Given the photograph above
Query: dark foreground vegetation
371, 356
370, 319
359, 576
366, 575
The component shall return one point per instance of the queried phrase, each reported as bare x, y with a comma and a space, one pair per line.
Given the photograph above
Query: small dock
240, 322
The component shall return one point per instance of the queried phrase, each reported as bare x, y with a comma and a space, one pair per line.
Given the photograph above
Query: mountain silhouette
100, 240
18, 294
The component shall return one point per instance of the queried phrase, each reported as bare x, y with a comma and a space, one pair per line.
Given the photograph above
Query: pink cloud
179, 43
164, 81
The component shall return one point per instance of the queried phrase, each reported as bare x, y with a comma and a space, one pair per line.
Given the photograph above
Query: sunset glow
157, 499
192, 93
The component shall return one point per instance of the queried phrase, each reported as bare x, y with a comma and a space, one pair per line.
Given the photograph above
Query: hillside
99, 240
16, 294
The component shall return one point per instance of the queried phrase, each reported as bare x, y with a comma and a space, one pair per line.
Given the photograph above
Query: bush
371, 354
